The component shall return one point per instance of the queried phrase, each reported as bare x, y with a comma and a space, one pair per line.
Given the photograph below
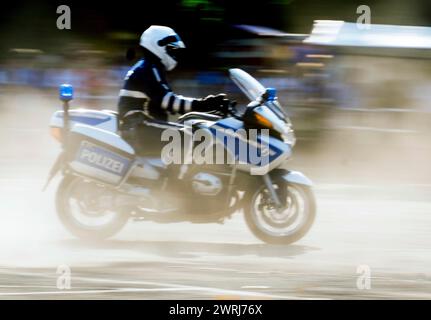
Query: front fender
291, 177
248, 183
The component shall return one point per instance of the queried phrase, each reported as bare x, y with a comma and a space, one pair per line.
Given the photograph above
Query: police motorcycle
104, 183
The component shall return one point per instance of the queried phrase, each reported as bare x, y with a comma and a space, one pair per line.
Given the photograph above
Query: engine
206, 184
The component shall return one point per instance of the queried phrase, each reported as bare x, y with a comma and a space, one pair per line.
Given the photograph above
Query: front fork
279, 196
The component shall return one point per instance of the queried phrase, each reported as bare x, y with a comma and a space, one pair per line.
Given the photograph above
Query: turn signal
56, 133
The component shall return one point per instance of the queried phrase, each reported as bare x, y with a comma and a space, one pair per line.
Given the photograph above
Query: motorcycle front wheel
281, 226
87, 209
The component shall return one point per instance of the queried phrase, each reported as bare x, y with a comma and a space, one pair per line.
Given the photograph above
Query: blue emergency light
66, 92
271, 94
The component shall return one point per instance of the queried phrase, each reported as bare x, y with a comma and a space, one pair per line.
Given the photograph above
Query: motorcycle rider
146, 98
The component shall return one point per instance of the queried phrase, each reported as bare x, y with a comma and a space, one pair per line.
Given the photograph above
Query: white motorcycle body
94, 151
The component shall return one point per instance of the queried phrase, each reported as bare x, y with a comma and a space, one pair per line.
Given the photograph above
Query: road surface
378, 229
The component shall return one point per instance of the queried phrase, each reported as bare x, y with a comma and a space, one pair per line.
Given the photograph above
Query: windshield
254, 90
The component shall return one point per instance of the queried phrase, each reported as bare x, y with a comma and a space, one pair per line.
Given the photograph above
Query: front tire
78, 198
276, 227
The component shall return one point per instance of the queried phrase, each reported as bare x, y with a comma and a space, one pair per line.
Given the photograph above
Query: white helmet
164, 42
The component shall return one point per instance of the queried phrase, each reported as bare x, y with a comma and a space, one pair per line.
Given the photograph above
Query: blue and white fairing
263, 152
249, 153
104, 119
101, 153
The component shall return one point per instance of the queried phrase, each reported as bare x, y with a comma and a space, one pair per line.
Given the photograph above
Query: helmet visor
175, 52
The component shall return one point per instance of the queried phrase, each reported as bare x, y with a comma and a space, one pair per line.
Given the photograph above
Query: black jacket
145, 88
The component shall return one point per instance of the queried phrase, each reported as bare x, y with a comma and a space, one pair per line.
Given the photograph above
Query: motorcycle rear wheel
80, 201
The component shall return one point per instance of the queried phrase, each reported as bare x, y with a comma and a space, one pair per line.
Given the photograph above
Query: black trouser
144, 134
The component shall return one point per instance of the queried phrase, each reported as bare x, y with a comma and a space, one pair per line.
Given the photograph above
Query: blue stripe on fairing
234, 124
87, 120
251, 149
230, 123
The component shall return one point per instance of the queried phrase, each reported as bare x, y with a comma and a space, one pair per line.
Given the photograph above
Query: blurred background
359, 100
360, 107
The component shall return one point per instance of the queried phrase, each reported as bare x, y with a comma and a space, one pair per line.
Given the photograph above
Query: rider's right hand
217, 102
212, 102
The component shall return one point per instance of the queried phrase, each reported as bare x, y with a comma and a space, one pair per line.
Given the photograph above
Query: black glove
211, 102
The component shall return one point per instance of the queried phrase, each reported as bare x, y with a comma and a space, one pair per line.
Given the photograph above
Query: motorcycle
105, 183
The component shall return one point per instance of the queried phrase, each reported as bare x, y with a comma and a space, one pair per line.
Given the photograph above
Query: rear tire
267, 236
65, 193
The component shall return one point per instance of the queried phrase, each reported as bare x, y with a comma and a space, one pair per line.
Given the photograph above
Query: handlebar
227, 109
